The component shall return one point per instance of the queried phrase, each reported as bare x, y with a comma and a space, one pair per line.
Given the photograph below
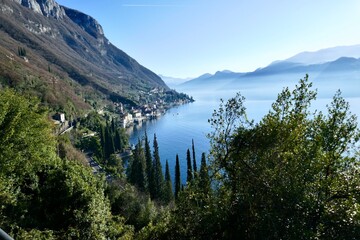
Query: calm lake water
176, 129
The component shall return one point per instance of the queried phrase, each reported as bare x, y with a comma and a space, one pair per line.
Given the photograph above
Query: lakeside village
158, 102
155, 104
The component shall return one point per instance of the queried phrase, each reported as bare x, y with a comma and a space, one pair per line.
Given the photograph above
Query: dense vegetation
293, 175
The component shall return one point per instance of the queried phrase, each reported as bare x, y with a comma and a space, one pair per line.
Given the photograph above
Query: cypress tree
194, 158
102, 141
109, 142
157, 171
168, 193
189, 168
113, 125
204, 179
177, 177
133, 165
149, 165
117, 140
137, 168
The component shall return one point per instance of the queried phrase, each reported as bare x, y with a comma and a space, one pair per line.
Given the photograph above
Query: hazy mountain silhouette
305, 65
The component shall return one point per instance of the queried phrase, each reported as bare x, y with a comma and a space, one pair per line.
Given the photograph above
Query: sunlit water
176, 129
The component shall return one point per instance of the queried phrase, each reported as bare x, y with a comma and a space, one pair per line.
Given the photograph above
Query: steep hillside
65, 51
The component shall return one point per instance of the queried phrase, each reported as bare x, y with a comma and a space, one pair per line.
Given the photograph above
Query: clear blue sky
186, 38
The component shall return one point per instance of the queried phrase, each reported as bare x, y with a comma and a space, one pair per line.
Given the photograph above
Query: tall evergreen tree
157, 171
120, 139
102, 140
113, 125
177, 177
117, 140
109, 142
194, 158
149, 166
204, 179
167, 193
137, 168
189, 176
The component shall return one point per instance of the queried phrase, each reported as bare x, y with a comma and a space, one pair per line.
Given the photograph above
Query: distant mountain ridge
71, 44
326, 55
218, 76
173, 81
345, 58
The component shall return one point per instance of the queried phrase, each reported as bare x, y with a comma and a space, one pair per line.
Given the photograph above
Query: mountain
340, 64
294, 67
173, 81
62, 55
220, 77
326, 55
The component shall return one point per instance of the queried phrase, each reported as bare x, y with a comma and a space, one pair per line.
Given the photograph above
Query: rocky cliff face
49, 8
89, 24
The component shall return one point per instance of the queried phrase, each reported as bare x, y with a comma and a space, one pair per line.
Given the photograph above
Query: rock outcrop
89, 24
48, 8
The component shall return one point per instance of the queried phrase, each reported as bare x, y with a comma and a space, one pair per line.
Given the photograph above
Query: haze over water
176, 129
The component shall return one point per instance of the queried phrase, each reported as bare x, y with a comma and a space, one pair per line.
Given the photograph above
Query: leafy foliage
42, 196
293, 175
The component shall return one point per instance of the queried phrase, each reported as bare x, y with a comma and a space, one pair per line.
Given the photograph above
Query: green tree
109, 141
293, 175
115, 166
194, 158
157, 172
177, 177
204, 179
21, 52
113, 125
189, 175
168, 195
134, 206
149, 165
91, 144
92, 121
103, 141
69, 200
41, 195
26, 136
137, 168
27, 144
120, 139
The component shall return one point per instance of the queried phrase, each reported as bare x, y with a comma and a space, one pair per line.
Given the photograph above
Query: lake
176, 129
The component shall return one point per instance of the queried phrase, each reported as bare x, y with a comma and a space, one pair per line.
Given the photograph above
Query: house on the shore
127, 120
